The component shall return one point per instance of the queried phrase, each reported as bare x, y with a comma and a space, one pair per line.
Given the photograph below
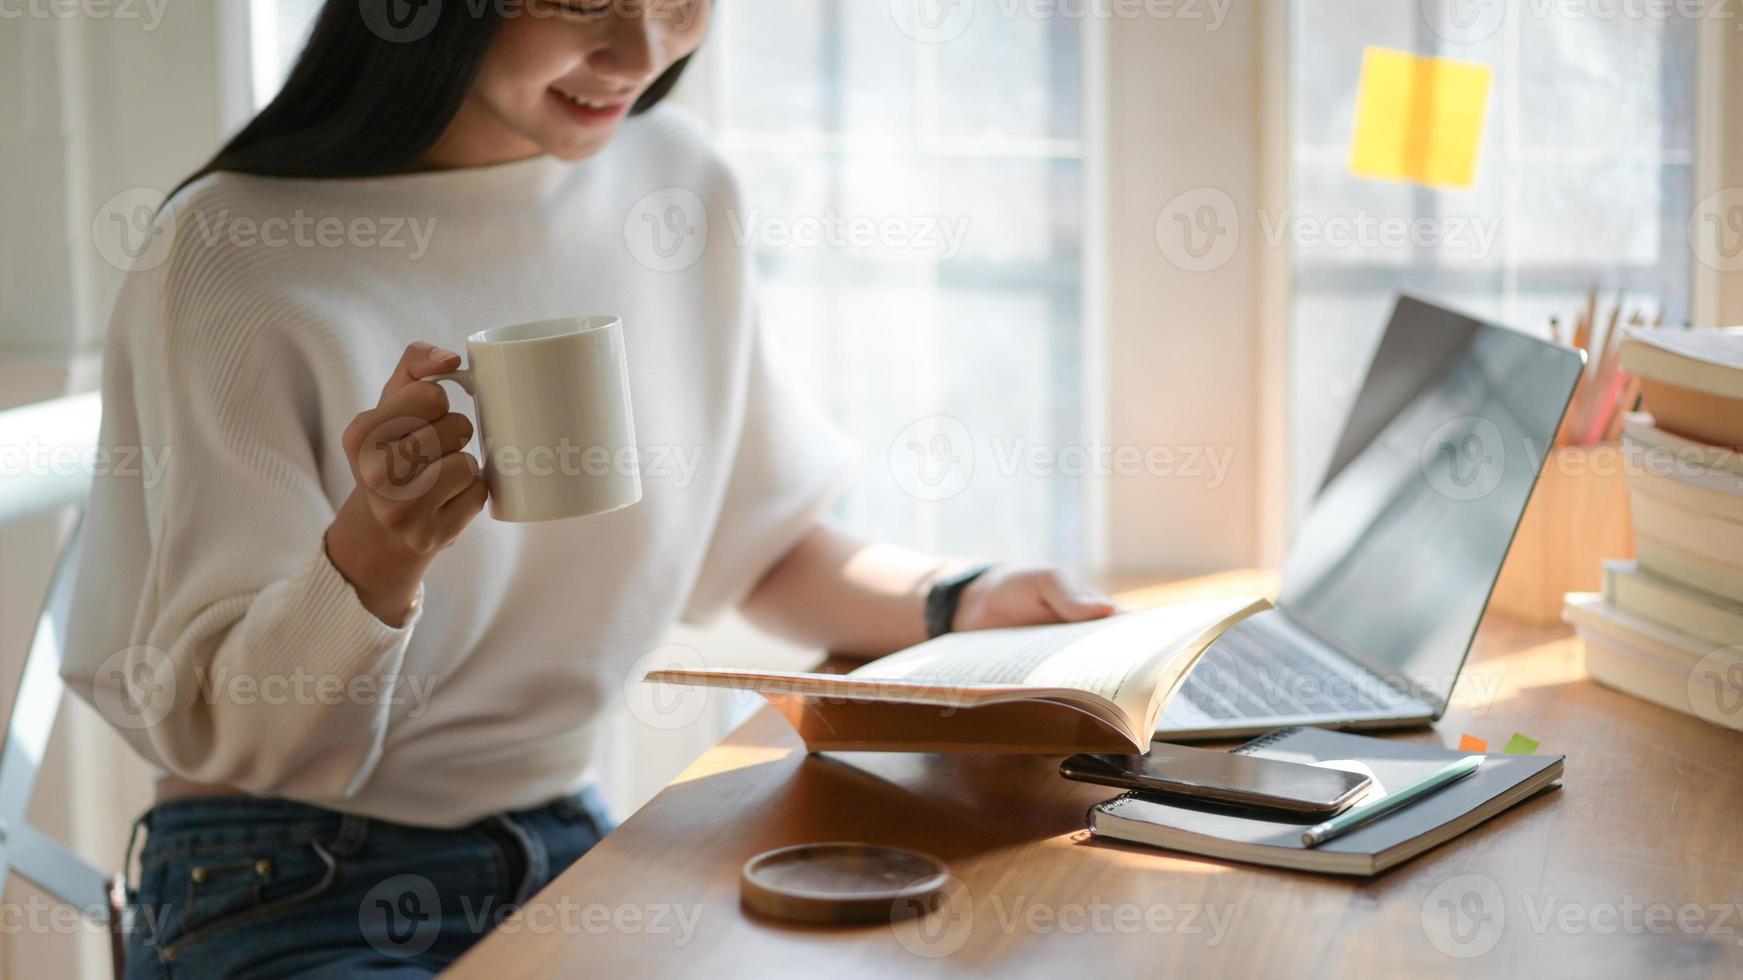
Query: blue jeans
244, 887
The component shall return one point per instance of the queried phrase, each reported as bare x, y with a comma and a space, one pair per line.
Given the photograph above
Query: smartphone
1223, 777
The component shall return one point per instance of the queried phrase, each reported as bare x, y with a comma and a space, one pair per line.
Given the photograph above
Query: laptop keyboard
1252, 672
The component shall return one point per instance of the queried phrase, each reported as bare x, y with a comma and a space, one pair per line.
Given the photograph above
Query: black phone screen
1224, 777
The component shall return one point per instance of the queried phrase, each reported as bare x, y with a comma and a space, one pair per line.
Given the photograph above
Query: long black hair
374, 89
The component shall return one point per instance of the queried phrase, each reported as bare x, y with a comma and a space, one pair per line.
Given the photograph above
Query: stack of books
1668, 626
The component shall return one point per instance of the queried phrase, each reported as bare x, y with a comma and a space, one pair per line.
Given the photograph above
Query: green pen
1344, 823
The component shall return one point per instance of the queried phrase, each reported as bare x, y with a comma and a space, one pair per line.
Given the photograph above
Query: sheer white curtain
1584, 179
937, 309
277, 30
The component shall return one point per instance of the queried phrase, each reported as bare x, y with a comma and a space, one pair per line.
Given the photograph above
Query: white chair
62, 423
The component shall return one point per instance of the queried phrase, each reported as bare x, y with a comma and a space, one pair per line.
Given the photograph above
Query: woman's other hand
1028, 595
417, 489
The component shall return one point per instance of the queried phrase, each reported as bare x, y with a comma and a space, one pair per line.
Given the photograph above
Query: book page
1121, 659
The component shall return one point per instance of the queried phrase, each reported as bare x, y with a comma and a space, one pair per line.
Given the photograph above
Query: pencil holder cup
1576, 519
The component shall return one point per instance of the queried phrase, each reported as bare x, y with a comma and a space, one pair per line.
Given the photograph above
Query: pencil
1344, 823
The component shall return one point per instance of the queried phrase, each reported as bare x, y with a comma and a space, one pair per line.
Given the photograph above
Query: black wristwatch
942, 601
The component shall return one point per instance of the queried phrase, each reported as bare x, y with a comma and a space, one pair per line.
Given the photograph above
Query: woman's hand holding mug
558, 436
417, 489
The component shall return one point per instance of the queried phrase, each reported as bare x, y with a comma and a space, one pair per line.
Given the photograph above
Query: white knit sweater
210, 627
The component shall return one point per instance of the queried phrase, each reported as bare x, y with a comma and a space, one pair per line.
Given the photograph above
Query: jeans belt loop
353, 830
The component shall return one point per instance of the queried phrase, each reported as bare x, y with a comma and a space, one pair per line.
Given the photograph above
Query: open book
1074, 687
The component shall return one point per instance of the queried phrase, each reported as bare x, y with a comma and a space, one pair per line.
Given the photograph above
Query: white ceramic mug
554, 417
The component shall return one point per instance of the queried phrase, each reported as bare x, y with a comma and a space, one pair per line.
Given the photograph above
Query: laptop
1392, 566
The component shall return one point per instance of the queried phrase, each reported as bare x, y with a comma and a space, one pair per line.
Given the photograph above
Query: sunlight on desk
729, 758
1149, 861
1503, 676
1147, 593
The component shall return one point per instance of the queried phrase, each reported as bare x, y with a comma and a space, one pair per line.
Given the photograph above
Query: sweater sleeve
247, 658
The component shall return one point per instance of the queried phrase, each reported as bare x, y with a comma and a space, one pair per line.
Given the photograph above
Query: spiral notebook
1238, 835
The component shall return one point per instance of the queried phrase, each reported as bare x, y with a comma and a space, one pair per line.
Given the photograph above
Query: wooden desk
1634, 868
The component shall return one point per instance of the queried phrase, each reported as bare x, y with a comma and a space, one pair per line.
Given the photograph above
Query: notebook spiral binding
1263, 740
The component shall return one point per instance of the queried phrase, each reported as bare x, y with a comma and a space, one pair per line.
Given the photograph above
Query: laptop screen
1395, 560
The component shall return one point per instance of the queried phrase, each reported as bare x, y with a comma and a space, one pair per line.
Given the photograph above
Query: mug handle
462, 377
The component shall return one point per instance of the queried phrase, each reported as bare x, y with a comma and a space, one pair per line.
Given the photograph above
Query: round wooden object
841, 882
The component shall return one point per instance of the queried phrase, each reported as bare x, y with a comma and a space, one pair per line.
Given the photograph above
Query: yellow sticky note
1419, 119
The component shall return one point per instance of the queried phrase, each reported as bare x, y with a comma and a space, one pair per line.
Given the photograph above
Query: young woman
370, 715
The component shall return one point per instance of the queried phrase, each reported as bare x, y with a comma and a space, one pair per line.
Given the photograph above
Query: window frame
702, 92
1715, 297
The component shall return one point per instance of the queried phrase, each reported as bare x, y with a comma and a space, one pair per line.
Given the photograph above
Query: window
277, 30
916, 196
1584, 178
949, 348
